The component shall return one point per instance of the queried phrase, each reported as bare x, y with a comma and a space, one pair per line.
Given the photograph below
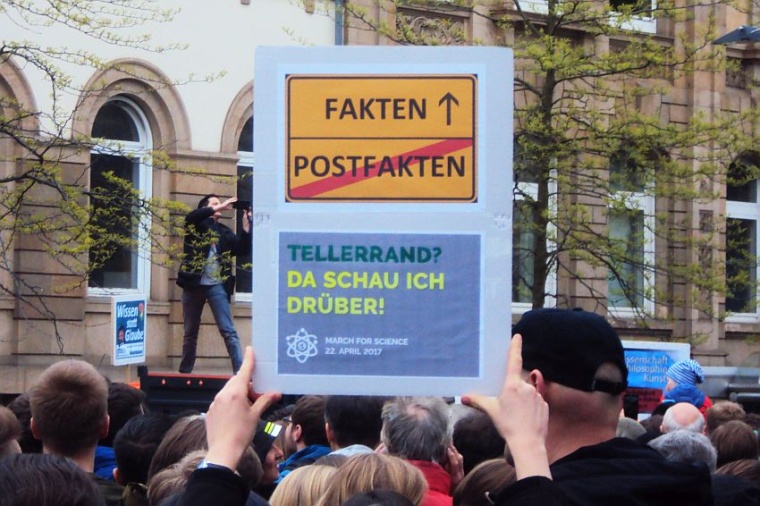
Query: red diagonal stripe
330, 183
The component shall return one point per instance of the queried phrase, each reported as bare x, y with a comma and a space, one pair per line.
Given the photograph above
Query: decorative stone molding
153, 92
240, 110
443, 29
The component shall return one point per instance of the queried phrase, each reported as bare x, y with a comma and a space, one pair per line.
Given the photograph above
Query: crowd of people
555, 435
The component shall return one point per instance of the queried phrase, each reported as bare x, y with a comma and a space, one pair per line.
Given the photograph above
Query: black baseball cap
569, 345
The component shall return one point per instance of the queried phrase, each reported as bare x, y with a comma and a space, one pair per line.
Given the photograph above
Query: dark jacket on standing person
618, 472
625, 473
214, 486
734, 491
220, 487
200, 229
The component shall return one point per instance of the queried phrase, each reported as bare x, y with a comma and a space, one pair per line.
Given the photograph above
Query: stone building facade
727, 335
208, 125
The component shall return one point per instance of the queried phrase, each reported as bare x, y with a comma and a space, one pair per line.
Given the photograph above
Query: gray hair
670, 423
417, 428
686, 446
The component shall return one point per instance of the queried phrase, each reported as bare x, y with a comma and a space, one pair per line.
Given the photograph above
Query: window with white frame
630, 222
524, 219
120, 177
743, 212
643, 20
244, 192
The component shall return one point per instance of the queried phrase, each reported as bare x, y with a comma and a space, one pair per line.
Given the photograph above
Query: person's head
748, 469
683, 416
629, 428
205, 201
332, 460
189, 434
186, 435
377, 498
722, 412
120, 335
753, 420
10, 431
45, 480
576, 361
307, 424
686, 446
22, 408
69, 405
172, 480
136, 443
417, 428
373, 471
734, 440
662, 407
353, 419
487, 477
267, 451
684, 372
652, 424
211, 200
477, 439
124, 403
278, 413
303, 486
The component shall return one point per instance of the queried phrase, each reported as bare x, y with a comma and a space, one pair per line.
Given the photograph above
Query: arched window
120, 180
244, 192
630, 221
743, 212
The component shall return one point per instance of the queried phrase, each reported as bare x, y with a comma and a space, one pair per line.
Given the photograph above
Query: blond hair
303, 486
373, 471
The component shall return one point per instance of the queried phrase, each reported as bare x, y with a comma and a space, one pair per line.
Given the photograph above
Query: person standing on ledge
206, 275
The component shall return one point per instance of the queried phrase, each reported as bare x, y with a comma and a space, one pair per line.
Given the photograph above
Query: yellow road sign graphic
398, 138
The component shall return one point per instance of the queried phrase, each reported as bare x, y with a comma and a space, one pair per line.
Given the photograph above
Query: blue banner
379, 304
647, 368
129, 330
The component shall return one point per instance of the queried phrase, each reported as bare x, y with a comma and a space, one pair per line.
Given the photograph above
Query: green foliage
596, 137
49, 201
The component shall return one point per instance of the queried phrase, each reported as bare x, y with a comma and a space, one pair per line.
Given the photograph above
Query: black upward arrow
448, 98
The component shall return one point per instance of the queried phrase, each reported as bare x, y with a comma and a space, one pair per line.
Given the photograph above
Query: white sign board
382, 209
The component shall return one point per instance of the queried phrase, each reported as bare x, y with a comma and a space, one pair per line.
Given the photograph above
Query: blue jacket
308, 455
105, 462
685, 393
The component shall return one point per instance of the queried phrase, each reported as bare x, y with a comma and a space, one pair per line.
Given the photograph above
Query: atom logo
302, 346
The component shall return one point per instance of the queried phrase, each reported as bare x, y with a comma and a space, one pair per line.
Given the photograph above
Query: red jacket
439, 483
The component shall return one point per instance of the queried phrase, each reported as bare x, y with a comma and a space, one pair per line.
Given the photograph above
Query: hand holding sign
520, 415
232, 417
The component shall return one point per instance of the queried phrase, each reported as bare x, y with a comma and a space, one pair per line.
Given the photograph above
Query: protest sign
128, 328
382, 209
